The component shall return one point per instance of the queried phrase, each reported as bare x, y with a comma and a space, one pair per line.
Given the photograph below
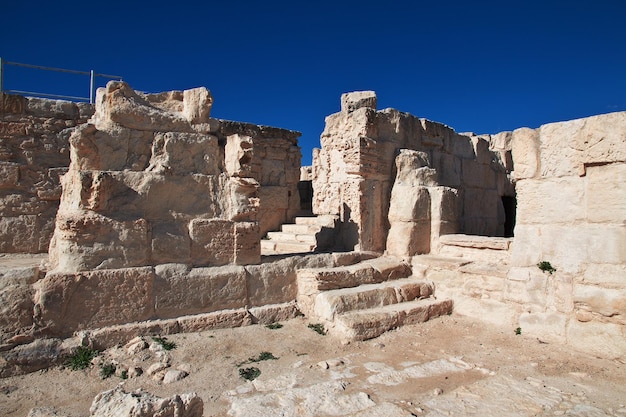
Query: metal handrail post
1, 75
91, 86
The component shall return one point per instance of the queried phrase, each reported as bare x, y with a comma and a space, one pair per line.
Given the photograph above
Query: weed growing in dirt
249, 374
164, 343
263, 356
274, 326
318, 328
124, 375
107, 370
545, 266
518, 331
81, 358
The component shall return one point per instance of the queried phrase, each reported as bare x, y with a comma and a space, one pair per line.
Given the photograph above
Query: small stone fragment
174, 375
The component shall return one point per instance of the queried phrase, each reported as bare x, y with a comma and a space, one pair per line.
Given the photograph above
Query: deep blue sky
481, 66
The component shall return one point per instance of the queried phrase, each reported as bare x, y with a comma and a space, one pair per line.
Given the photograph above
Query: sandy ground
489, 361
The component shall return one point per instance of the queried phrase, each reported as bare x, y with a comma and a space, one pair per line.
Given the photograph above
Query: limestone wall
275, 166
148, 183
571, 185
34, 153
356, 167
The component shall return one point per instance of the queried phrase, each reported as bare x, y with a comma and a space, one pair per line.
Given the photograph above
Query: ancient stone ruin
157, 218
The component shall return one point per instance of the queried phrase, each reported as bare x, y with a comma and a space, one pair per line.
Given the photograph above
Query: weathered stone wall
149, 183
571, 185
34, 153
570, 179
355, 170
275, 166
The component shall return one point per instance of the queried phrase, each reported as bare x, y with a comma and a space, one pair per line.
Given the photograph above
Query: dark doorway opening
510, 206
305, 188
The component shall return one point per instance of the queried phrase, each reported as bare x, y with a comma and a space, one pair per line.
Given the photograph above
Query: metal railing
92, 77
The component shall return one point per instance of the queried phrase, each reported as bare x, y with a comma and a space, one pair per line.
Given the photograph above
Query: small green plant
318, 328
274, 326
107, 370
545, 266
164, 343
263, 356
518, 331
249, 374
124, 375
81, 358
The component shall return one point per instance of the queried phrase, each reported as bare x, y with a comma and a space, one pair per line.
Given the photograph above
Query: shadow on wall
348, 231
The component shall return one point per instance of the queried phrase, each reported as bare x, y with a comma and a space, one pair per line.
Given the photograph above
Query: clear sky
481, 66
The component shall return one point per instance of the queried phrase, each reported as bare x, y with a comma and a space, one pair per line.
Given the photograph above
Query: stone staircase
364, 300
308, 234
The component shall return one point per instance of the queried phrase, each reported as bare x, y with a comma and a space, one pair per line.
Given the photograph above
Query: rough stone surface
117, 402
353, 176
34, 153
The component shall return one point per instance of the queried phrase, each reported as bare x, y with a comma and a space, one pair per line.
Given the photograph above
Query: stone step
371, 323
272, 247
328, 304
323, 220
291, 237
301, 229
372, 271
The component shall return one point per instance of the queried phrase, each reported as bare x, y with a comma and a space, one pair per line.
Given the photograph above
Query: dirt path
449, 366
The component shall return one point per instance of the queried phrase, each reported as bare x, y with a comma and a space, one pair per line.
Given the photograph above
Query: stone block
19, 234
409, 238
602, 138
88, 241
481, 150
542, 201
274, 313
16, 301
118, 103
93, 149
212, 242
271, 220
54, 109
605, 301
409, 204
272, 282
607, 275
560, 293
358, 99
548, 326
444, 204
9, 174
170, 243
483, 286
448, 169
525, 151
526, 248
482, 204
560, 152
273, 198
175, 153
606, 340
197, 103
501, 141
12, 104
68, 302
526, 287
224, 319
605, 191
478, 175
238, 155
460, 146
247, 243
